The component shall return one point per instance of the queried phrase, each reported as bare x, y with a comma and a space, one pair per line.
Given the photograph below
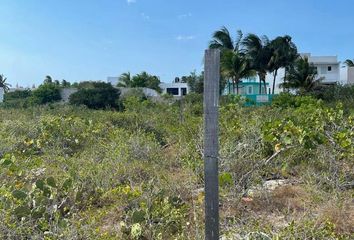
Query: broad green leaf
22, 211
19, 194
40, 184
6, 162
138, 216
68, 183
51, 182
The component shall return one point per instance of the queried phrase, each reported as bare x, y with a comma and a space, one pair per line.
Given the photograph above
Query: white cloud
186, 15
145, 17
131, 1
185, 38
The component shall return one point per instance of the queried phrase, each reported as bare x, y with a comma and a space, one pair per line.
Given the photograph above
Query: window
184, 91
329, 68
173, 91
249, 90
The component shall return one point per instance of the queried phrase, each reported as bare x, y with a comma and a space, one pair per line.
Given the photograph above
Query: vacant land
286, 171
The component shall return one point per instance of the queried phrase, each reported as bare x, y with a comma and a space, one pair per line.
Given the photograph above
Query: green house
249, 88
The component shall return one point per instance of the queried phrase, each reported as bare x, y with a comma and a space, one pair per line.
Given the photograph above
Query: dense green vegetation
97, 95
135, 171
68, 172
140, 80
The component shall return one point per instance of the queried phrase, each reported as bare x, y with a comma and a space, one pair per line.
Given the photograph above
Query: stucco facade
176, 89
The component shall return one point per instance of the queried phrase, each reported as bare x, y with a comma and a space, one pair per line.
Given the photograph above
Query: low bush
98, 96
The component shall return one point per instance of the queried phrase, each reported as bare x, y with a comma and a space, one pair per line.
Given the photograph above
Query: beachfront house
328, 68
249, 90
176, 89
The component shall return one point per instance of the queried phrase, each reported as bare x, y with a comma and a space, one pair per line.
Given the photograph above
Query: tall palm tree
125, 80
349, 63
234, 64
222, 40
48, 79
259, 52
302, 76
3, 84
284, 54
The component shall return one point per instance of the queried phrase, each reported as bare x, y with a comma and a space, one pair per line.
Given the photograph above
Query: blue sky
91, 39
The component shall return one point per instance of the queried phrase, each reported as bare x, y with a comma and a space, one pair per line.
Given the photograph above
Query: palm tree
222, 40
259, 52
125, 80
234, 64
48, 79
349, 63
3, 84
302, 76
284, 54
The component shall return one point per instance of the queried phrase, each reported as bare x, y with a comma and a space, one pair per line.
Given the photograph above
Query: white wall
332, 76
65, 93
350, 76
148, 92
344, 75
2, 92
164, 87
279, 80
322, 63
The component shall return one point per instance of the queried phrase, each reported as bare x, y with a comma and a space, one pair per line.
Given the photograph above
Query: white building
2, 92
347, 75
328, 68
148, 92
177, 89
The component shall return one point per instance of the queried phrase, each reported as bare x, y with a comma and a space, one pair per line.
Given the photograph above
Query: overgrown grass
73, 173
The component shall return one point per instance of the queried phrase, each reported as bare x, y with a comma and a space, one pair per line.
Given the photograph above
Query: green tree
65, 83
140, 80
302, 76
222, 40
234, 63
259, 52
99, 95
125, 80
195, 82
46, 93
349, 63
3, 84
144, 79
235, 66
48, 79
284, 54
18, 94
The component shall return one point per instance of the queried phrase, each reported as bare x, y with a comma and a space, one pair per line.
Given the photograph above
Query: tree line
242, 57
253, 55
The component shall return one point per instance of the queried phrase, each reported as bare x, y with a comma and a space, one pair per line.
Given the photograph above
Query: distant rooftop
321, 59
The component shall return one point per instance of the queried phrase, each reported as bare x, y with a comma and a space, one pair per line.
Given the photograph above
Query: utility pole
211, 142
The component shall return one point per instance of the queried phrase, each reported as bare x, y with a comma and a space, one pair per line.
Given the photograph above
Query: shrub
101, 96
17, 95
46, 93
286, 100
136, 93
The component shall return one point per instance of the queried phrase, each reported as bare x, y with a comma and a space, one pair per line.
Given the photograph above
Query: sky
81, 40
